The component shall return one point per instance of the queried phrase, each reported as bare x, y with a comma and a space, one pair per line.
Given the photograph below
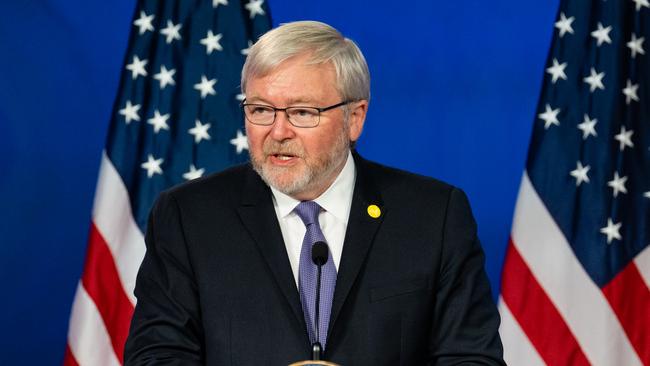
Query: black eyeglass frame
275, 112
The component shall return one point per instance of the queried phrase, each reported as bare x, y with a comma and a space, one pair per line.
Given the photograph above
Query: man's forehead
299, 79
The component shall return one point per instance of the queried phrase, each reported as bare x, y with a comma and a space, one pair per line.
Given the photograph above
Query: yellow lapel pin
374, 211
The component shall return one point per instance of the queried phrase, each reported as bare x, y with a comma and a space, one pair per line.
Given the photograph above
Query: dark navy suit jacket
216, 287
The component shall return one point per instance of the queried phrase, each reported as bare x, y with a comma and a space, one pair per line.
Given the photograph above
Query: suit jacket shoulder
393, 182
417, 197
224, 187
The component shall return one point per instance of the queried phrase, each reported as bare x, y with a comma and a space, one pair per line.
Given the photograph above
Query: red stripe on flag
102, 282
629, 296
68, 357
537, 315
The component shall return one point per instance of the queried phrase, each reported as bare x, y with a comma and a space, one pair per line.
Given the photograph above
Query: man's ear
356, 118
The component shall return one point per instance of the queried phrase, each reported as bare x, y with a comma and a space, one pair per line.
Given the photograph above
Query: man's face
301, 162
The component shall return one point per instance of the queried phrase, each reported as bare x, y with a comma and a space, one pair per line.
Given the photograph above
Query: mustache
272, 147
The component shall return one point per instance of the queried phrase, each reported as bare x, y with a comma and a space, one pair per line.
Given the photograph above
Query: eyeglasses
303, 117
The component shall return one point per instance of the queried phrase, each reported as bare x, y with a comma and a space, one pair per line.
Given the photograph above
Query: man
228, 277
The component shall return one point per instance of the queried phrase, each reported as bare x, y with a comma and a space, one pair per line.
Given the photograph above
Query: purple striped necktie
308, 273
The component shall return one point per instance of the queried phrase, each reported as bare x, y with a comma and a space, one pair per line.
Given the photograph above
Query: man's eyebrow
292, 102
255, 99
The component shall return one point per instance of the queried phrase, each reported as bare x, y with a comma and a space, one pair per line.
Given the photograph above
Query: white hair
324, 43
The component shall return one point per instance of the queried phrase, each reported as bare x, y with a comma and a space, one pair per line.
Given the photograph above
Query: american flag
576, 279
176, 118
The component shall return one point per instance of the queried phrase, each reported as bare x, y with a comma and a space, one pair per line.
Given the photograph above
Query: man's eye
260, 110
303, 112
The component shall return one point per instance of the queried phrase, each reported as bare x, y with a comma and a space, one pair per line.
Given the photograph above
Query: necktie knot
308, 212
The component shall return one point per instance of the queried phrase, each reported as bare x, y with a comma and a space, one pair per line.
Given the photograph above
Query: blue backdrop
454, 91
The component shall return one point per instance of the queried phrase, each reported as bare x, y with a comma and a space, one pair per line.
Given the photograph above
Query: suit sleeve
465, 328
166, 327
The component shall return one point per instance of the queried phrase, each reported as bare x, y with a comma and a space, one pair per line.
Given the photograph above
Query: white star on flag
211, 42
152, 166
216, 3
635, 45
580, 173
641, 3
647, 194
624, 138
144, 22
550, 117
240, 142
612, 231
240, 97
206, 87
564, 24
245, 51
130, 112
159, 122
255, 8
171, 31
199, 131
165, 77
557, 70
617, 184
588, 127
595, 80
630, 92
602, 34
137, 67
193, 173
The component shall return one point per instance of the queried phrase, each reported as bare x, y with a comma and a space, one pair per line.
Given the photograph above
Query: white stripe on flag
642, 262
114, 219
517, 349
577, 298
87, 336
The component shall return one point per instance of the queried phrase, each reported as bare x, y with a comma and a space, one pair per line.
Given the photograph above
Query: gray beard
313, 175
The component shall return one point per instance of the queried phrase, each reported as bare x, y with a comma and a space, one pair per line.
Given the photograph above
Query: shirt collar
335, 200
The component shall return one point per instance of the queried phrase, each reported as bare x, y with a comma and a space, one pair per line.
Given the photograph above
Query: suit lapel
358, 238
258, 215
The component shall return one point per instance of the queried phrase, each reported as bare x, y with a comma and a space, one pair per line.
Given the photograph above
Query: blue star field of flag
589, 158
177, 114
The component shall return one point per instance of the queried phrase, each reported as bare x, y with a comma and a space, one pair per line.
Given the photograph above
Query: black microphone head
319, 253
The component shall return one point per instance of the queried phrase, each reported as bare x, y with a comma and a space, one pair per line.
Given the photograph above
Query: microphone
319, 256
319, 253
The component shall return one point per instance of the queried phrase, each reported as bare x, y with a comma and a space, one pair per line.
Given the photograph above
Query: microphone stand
316, 348
319, 255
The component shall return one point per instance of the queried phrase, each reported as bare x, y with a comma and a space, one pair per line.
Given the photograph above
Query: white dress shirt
335, 203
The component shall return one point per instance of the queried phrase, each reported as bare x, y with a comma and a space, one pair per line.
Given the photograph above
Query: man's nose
282, 129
